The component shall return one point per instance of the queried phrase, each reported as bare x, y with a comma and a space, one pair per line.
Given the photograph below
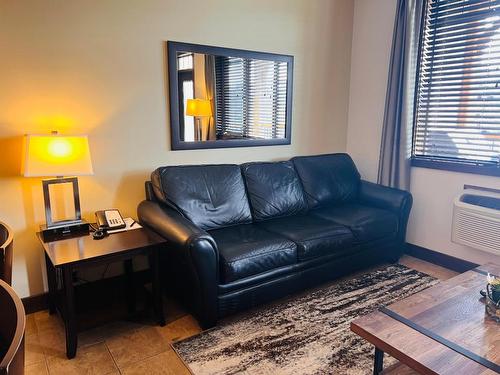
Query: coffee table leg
378, 362
154, 266
69, 313
52, 281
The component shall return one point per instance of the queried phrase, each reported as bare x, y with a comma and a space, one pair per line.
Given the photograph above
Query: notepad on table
130, 224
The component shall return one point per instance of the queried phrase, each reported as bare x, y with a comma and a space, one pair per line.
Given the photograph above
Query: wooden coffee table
441, 330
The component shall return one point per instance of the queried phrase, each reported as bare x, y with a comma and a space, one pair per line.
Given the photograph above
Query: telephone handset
109, 220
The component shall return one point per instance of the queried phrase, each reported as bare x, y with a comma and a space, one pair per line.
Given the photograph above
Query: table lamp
198, 108
58, 155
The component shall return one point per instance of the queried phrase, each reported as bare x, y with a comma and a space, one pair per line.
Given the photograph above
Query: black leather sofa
242, 235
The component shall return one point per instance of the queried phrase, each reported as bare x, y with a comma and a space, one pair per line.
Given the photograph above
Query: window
251, 98
457, 114
185, 63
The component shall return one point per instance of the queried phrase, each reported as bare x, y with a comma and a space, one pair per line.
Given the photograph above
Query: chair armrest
395, 200
171, 225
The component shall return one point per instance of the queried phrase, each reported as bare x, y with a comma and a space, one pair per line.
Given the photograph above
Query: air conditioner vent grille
475, 223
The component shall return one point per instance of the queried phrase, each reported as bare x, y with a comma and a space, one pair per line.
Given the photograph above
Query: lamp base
63, 231
48, 208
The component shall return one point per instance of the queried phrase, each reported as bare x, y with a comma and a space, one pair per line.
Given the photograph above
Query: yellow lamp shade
57, 155
199, 108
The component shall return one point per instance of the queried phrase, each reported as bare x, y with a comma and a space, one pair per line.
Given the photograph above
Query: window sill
487, 170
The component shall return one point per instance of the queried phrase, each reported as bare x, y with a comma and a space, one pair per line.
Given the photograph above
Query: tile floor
125, 347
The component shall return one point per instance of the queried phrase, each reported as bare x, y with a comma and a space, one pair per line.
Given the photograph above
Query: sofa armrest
196, 246
395, 200
171, 225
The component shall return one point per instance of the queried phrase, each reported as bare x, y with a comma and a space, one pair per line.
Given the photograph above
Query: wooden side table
65, 256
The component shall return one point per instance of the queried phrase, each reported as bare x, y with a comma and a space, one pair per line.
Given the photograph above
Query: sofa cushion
274, 190
366, 223
246, 250
328, 179
313, 235
211, 196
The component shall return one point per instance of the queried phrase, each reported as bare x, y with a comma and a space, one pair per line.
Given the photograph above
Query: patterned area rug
306, 334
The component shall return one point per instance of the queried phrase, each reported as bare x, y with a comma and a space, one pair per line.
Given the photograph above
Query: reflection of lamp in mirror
198, 108
56, 155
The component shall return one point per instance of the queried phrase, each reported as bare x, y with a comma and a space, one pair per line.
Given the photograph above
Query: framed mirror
224, 97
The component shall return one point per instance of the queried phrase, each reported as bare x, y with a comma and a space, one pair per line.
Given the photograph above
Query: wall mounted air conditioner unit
476, 219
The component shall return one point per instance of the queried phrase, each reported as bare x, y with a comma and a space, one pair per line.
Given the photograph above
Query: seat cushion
274, 190
366, 223
328, 179
246, 250
313, 235
211, 196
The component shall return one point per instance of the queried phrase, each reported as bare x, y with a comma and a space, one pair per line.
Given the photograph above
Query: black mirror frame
176, 142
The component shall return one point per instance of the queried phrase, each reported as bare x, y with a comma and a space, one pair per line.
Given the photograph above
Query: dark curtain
395, 150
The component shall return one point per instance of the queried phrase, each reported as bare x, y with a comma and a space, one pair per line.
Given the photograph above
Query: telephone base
62, 232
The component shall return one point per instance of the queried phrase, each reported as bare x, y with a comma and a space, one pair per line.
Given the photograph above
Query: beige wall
371, 43
97, 68
433, 190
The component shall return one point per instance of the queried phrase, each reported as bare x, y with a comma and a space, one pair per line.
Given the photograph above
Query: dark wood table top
85, 248
452, 310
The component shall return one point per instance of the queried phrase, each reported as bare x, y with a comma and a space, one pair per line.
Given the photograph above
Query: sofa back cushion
211, 196
328, 179
274, 190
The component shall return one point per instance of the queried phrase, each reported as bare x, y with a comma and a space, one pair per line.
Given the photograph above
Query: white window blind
251, 98
458, 93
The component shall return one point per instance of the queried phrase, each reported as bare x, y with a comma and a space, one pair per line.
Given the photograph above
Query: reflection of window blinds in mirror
251, 98
185, 61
